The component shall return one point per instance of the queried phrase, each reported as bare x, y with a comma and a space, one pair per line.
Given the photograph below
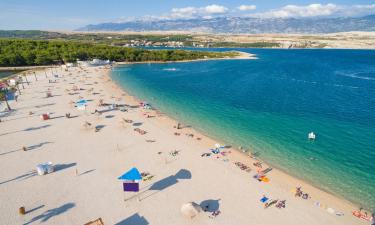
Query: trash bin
45, 116
44, 168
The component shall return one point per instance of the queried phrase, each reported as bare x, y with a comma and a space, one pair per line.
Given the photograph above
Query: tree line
25, 52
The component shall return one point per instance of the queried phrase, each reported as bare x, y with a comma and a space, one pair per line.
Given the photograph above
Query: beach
240, 55
89, 159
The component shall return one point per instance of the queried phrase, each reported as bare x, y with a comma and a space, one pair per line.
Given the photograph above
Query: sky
72, 14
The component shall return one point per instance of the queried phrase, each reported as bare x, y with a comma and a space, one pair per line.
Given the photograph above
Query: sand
85, 185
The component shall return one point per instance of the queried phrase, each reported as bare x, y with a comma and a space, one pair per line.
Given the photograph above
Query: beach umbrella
82, 102
132, 174
131, 180
190, 210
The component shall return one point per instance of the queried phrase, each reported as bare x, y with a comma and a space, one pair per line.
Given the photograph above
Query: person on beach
298, 192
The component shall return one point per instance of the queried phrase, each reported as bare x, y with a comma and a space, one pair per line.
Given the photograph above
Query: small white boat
311, 136
170, 69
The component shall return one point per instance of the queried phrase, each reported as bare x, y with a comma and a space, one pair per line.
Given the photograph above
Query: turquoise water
8, 73
270, 105
5, 73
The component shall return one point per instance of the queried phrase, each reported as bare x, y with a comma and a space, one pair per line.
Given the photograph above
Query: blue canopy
83, 101
132, 174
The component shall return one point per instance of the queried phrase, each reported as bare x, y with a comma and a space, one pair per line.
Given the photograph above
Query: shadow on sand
134, 219
163, 184
59, 167
210, 205
27, 129
51, 213
86, 172
29, 148
37, 128
25, 176
34, 209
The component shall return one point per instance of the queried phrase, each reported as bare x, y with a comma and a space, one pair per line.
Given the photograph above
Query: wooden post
22, 211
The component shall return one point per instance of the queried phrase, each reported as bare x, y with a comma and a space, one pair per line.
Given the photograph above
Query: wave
344, 86
327, 84
355, 75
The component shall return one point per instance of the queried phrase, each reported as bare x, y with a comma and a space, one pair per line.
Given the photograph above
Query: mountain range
236, 25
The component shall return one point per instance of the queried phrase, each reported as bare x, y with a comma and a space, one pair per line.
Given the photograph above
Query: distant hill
32, 34
237, 25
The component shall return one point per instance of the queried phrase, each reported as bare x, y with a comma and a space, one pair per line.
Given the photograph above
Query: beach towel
131, 187
264, 199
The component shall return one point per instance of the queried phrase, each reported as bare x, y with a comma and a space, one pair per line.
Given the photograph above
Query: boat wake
170, 69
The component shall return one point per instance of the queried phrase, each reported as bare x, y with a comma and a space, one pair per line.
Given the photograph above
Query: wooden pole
22, 210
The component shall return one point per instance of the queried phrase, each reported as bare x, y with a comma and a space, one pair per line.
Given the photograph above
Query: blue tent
132, 174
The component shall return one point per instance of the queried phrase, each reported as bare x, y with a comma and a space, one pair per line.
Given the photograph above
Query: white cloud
360, 10
316, 10
297, 11
300, 11
246, 7
371, 7
215, 9
186, 12
193, 12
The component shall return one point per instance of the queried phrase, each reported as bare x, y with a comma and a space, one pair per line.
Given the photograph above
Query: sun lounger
206, 154
142, 132
127, 121
281, 204
269, 204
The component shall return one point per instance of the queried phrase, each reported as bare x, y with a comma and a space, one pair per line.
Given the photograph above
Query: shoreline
242, 55
246, 157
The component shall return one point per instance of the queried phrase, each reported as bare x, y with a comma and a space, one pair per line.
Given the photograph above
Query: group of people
301, 194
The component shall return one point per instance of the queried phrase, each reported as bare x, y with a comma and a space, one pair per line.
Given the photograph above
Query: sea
269, 106
4, 74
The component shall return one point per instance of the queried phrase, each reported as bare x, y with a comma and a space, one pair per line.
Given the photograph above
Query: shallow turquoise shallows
269, 105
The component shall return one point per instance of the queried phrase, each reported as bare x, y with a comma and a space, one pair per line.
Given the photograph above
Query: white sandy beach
85, 187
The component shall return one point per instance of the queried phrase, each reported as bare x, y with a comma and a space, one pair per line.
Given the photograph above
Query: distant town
355, 40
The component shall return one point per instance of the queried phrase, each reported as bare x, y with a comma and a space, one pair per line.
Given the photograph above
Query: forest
27, 52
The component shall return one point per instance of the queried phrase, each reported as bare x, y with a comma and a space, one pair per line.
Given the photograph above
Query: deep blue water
269, 105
